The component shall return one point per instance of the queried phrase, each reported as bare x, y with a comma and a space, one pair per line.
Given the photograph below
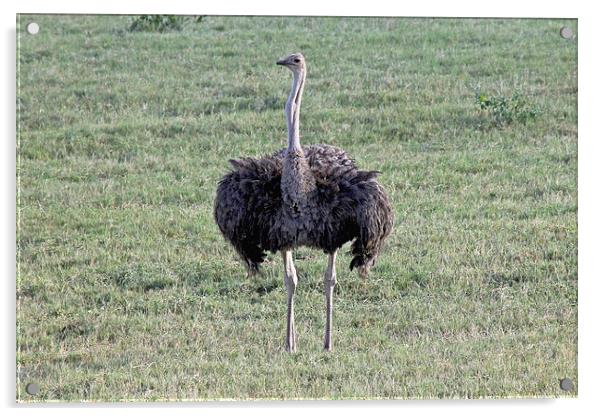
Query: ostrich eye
297, 60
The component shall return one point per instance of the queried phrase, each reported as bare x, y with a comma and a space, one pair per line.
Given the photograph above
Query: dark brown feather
347, 204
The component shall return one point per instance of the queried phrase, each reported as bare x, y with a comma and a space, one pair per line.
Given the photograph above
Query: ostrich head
295, 62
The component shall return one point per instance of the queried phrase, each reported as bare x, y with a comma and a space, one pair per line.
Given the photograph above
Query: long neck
298, 182
293, 106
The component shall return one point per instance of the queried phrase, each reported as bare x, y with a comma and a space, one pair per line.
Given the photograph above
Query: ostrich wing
247, 200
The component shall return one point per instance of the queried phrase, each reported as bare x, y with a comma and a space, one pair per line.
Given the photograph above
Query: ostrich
311, 196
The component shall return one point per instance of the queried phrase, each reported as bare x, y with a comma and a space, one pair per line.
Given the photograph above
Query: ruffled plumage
347, 204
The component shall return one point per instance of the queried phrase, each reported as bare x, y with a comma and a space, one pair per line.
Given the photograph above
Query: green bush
505, 110
160, 22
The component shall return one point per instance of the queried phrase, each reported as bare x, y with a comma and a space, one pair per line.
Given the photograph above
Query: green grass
127, 291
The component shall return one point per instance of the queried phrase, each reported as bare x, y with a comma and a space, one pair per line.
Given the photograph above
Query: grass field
127, 291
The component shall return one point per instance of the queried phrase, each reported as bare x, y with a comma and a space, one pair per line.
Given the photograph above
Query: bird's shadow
267, 288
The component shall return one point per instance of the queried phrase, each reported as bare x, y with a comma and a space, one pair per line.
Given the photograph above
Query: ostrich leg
290, 281
330, 279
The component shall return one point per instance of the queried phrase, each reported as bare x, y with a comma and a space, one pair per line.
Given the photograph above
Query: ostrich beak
282, 62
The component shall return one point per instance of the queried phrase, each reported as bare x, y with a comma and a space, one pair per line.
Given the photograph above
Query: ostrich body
311, 196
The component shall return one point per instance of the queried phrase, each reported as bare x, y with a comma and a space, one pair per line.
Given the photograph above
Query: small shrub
506, 110
161, 23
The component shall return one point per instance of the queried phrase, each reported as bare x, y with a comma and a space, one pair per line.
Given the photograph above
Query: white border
590, 105
467, 8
